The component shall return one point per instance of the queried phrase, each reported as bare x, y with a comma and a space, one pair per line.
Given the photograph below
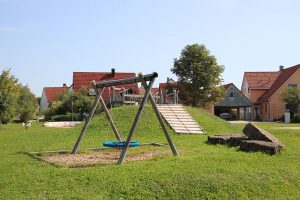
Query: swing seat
120, 144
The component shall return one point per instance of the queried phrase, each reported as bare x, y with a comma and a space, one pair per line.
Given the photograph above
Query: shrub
67, 117
296, 118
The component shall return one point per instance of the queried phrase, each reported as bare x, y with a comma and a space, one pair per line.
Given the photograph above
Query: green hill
201, 171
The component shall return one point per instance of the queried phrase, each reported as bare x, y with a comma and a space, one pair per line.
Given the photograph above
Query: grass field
201, 171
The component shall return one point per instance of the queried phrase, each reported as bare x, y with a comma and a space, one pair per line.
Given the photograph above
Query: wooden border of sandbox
96, 156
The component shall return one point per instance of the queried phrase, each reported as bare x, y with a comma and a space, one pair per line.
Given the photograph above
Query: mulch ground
97, 158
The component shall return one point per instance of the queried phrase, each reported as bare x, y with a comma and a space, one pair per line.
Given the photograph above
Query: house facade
264, 90
51, 94
234, 104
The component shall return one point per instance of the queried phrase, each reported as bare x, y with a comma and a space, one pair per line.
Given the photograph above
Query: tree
199, 76
9, 92
27, 104
78, 102
291, 97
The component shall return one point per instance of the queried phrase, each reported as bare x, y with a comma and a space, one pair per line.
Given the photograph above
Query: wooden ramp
179, 119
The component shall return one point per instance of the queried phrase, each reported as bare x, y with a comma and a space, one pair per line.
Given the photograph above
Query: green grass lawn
201, 171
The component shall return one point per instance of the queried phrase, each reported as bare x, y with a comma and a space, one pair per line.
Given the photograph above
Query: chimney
281, 67
168, 79
113, 71
65, 85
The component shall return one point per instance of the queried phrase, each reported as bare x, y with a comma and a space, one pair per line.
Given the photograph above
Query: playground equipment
120, 144
99, 88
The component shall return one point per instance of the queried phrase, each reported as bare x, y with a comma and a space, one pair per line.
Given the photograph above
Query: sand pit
97, 158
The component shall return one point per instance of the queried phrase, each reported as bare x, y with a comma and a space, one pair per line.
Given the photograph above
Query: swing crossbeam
100, 86
137, 79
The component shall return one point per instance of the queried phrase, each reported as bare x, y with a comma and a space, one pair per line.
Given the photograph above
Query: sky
45, 41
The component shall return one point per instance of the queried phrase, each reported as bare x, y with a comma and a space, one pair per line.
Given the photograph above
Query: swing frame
99, 88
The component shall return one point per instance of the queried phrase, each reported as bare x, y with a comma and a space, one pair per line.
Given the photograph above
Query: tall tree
9, 92
27, 104
199, 75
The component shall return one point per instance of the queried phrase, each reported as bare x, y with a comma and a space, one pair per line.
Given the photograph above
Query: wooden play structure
179, 119
99, 88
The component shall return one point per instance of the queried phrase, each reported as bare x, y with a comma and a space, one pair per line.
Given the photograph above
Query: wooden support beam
161, 121
109, 117
92, 112
137, 117
137, 79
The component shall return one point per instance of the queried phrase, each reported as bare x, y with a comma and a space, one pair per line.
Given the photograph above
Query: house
264, 89
166, 91
84, 79
51, 94
234, 104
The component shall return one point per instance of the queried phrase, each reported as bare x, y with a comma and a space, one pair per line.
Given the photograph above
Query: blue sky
44, 41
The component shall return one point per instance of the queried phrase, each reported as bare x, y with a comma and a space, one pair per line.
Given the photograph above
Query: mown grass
201, 171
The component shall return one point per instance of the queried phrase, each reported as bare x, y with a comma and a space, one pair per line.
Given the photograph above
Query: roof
226, 86
164, 86
53, 92
285, 74
261, 80
154, 91
83, 80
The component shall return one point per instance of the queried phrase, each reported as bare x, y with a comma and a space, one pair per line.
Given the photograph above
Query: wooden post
174, 96
161, 121
113, 97
161, 97
111, 122
238, 114
92, 112
137, 117
123, 97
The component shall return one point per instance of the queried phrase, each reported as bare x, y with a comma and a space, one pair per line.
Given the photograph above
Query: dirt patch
97, 158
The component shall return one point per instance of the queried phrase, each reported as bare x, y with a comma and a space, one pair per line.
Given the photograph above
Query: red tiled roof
154, 91
83, 80
285, 74
226, 86
163, 86
261, 80
53, 92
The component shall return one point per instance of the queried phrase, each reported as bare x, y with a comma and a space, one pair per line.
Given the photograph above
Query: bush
67, 117
296, 118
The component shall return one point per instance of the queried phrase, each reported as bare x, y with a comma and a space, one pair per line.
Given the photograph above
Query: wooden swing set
99, 88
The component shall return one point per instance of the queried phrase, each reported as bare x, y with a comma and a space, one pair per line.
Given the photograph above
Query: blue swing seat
120, 144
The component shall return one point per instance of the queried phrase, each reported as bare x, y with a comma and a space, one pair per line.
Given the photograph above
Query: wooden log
137, 79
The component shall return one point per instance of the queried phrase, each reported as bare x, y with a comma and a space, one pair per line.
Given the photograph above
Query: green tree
27, 104
68, 102
291, 97
199, 75
9, 92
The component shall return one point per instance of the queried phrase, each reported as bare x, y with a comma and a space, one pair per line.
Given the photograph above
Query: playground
200, 171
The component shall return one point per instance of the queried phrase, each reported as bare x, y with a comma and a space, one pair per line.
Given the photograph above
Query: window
231, 94
292, 85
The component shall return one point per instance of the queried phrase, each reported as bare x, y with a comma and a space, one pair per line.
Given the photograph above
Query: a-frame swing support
100, 86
